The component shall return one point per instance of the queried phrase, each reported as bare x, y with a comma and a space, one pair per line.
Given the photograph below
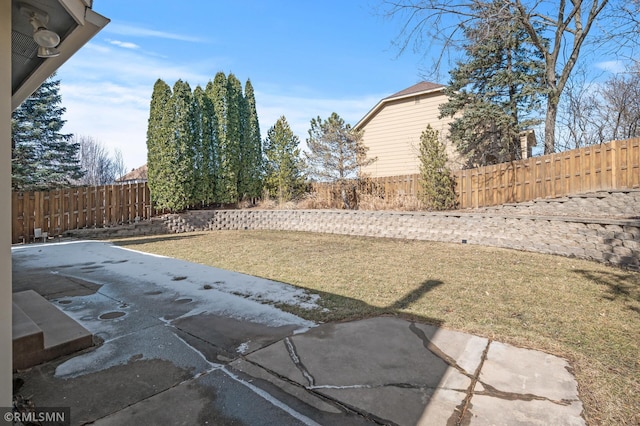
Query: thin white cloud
137, 31
614, 67
132, 67
124, 44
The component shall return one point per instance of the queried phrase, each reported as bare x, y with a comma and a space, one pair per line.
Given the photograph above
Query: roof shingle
423, 86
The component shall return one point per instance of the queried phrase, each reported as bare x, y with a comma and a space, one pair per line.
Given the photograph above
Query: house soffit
72, 20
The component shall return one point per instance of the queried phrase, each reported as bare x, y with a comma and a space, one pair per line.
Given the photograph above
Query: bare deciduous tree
620, 95
99, 166
581, 116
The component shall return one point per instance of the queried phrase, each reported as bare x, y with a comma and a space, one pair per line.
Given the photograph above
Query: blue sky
304, 59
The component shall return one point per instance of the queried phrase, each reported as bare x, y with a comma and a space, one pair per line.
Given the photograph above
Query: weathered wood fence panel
614, 165
60, 210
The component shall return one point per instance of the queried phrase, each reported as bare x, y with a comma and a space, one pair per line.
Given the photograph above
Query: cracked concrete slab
515, 372
490, 411
414, 366
215, 398
230, 337
522, 387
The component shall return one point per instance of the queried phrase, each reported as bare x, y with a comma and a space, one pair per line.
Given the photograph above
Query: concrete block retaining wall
612, 241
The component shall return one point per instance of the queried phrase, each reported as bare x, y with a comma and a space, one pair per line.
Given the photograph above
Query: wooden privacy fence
60, 210
614, 165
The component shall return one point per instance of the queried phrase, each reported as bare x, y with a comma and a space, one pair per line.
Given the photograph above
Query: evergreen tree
336, 152
284, 166
231, 169
181, 175
226, 185
204, 148
42, 156
160, 140
250, 177
494, 91
435, 178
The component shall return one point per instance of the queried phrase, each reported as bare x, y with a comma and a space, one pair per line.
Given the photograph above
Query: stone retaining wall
612, 241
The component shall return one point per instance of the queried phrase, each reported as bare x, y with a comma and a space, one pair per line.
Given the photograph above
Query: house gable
393, 127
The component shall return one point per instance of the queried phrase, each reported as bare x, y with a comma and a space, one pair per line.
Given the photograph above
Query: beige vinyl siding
392, 134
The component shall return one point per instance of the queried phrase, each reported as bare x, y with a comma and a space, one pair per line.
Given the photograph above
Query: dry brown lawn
583, 311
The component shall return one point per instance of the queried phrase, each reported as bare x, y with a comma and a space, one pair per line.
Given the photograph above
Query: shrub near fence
60, 210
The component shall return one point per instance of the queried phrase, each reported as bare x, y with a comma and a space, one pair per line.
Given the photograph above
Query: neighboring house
138, 175
393, 127
24, 65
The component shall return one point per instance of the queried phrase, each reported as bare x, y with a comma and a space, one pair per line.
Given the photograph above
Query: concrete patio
181, 343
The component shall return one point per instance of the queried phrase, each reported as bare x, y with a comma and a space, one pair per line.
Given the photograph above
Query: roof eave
81, 34
380, 104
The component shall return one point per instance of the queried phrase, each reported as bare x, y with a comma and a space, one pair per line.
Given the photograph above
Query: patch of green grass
583, 311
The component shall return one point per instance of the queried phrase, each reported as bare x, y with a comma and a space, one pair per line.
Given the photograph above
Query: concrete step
42, 332
27, 336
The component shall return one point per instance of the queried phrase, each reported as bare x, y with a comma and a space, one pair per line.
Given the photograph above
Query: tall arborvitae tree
284, 178
493, 92
204, 148
43, 157
160, 140
226, 185
182, 173
234, 136
250, 177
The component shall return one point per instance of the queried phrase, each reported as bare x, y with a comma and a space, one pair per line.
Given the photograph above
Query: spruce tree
284, 166
160, 139
43, 157
437, 184
250, 177
494, 91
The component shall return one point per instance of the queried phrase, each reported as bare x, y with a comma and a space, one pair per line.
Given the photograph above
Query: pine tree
435, 178
250, 177
42, 156
284, 166
160, 139
493, 92
336, 152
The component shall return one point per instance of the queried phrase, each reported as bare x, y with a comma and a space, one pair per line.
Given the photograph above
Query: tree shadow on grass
619, 286
343, 308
